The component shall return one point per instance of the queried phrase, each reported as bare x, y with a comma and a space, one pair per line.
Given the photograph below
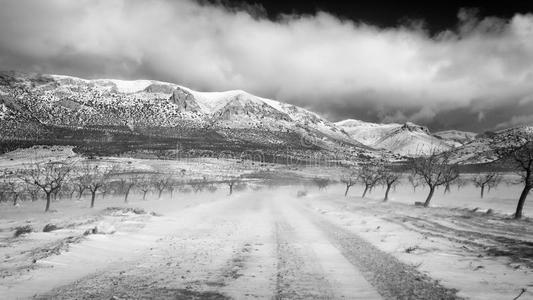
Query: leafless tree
161, 183
231, 182
434, 170
414, 181
369, 175
488, 180
33, 192
321, 182
126, 184
198, 185
389, 179
145, 185
349, 181
49, 177
518, 152
12, 185
95, 178
461, 182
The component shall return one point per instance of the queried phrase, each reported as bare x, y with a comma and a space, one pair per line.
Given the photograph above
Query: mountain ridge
161, 109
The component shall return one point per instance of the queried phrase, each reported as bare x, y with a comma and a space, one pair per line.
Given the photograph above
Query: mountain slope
405, 139
460, 137
481, 149
154, 109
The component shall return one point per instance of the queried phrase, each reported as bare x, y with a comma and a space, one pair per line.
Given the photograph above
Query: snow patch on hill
405, 139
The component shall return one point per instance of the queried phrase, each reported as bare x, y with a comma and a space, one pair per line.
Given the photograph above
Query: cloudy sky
447, 68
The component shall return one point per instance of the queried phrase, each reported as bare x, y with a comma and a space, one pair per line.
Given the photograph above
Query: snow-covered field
264, 244
290, 241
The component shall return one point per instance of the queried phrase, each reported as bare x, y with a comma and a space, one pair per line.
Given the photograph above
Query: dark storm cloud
338, 67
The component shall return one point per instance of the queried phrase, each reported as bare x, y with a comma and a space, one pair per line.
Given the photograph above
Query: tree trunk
171, 194
144, 195
93, 195
15, 198
231, 189
428, 199
482, 190
387, 193
447, 189
521, 201
47, 202
159, 195
346, 192
126, 196
366, 190
80, 193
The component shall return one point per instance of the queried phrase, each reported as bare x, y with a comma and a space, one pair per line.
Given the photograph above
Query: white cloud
516, 121
317, 61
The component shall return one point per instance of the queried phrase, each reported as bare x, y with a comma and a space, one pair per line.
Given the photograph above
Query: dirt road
252, 245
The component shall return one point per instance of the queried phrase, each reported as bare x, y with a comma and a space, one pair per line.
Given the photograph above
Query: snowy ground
264, 244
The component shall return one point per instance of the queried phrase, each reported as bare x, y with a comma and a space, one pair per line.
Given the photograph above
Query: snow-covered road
252, 245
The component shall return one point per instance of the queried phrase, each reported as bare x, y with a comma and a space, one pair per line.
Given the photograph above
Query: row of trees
49, 179
437, 170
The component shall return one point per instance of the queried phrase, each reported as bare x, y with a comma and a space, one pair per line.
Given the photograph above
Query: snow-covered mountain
481, 148
406, 139
460, 137
33, 105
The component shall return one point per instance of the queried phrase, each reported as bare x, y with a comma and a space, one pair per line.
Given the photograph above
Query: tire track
309, 266
392, 278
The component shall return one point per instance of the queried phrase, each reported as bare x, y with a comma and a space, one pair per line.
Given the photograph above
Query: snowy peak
412, 127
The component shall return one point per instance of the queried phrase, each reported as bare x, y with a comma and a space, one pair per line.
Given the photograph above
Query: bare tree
349, 180
231, 182
13, 186
489, 180
161, 183
145, 185
518, 151
33, 192
369, 175
80, 184
321, 183
414, 181
198, 185
175, 183
461, 182
389, 179
126, 184
49, 177
95, 178
434, 170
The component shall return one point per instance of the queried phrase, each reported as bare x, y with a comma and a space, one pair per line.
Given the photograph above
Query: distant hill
407, 139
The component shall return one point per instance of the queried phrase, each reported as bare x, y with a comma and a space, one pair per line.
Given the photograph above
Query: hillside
64, 109
481, 149
405, 139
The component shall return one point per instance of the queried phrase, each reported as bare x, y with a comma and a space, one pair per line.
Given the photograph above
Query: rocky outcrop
184, 100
